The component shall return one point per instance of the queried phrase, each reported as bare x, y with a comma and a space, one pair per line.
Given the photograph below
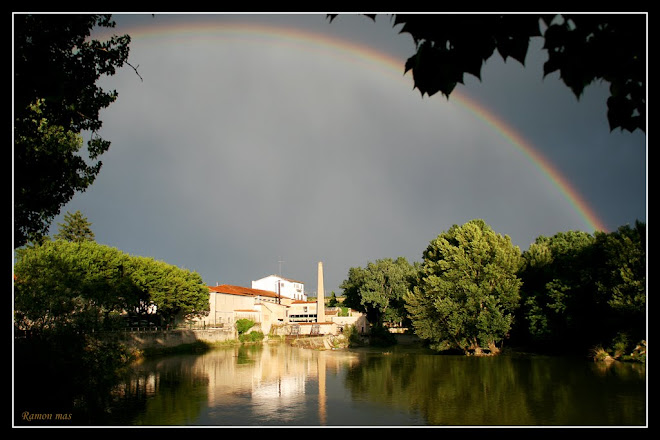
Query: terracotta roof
238, 290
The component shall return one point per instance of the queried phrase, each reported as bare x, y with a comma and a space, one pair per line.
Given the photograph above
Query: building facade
273, 312
302, 311
284, 287
229, 303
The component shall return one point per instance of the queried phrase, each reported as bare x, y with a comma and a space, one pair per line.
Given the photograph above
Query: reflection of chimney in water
322, 397
320, 300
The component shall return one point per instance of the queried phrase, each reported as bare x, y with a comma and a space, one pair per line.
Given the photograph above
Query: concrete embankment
148, 340
156, 340
326, 342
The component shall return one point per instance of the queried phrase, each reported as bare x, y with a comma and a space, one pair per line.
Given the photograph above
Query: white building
284, 287
228, 304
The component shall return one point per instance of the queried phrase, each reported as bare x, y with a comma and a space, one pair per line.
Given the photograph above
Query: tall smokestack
320, 299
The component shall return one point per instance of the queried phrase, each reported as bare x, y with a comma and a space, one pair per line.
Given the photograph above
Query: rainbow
382, 62
544, 165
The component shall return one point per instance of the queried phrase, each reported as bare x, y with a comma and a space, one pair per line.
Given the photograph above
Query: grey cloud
227, 158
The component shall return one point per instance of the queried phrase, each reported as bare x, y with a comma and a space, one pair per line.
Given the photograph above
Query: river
279, 385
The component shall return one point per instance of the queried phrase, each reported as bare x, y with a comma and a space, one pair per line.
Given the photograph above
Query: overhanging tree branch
582, 48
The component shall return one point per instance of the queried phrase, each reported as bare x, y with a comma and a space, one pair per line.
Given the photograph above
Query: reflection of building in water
277, 378
277, 398
271, 377
323, 416
277, 309
281, 387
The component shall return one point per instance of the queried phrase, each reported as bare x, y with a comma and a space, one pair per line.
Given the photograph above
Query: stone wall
305, 329
172, 338
326, 342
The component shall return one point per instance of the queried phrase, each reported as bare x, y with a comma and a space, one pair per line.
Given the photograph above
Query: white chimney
320, 300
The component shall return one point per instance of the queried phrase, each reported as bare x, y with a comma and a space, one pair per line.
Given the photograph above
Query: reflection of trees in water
175, 390
167, 391
63, 375
460, 390
273, 384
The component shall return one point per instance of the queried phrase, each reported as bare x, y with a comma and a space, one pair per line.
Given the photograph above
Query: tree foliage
568, 293
581, 290
63, 286
378, 290
582, 48
332, 301
622, 269
557, 291
75, 228
56, 99
468, 289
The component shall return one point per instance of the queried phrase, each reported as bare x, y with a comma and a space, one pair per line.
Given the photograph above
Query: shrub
620, 345
352, 336
599, 354
251, 337
243, 325
380, 336
639, 353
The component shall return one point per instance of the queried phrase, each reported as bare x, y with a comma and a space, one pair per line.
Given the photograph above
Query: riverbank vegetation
246, 333
474, 291
69, 293
85, 287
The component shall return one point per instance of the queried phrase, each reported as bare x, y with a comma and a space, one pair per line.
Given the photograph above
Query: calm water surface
279, 385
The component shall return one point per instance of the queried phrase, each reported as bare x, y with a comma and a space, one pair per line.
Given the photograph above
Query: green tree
63, 286
560, 308
468, 289
378, 289
56, 99
583, 48
172, 291
581, 290
621, 281
75, 228
332, 302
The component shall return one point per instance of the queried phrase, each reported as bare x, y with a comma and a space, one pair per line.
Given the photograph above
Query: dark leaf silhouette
56, 98
581, 48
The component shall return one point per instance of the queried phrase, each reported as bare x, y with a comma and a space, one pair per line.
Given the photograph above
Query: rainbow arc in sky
380, 61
